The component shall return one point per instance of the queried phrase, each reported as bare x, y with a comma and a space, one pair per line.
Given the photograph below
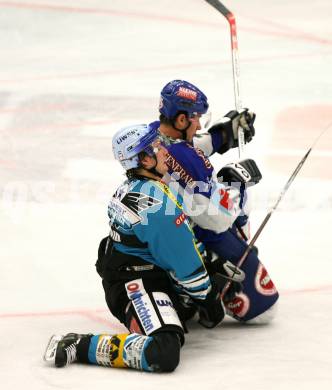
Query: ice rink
72, 73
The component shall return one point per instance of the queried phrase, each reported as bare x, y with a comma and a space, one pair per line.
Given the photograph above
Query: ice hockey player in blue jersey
152, 271
219, 211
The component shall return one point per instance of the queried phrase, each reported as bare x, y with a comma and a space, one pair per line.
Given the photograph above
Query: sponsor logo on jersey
135, 291
177, 168
166, 309
239, 306
180, 219
263, 282
164, 302
187, 94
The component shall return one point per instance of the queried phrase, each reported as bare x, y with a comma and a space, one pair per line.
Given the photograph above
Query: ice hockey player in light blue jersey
152, 272
147, 211
218, 210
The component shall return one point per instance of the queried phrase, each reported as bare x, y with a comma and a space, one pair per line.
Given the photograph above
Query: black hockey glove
211, 310
229, 126
244, 172
224, 271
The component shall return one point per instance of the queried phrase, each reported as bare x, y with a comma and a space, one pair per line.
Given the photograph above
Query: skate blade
50, 351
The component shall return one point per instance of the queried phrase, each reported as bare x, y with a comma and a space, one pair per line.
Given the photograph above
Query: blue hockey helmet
129, 141
180, 95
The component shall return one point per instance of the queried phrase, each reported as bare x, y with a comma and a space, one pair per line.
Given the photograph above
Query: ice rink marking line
307, 290
297, 153
101, 11
282, 27
53, 313
152, 69
89, 314
93, 314
64, 126
37, 107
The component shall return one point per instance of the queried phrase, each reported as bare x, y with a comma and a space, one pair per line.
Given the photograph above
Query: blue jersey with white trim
151, 212
212, 206
209, 142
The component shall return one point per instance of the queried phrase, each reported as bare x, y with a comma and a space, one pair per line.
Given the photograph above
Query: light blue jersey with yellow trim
151, 212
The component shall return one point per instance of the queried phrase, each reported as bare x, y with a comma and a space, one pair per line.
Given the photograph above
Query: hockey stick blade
219, 7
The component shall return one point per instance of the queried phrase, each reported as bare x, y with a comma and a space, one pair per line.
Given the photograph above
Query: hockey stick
235, 63
269, 214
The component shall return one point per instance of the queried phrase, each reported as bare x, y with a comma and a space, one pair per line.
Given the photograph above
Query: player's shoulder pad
189, 163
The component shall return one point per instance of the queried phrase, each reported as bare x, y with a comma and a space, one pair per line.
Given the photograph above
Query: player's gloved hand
211, 310
224, 272
244, 172
229, 125
244, 119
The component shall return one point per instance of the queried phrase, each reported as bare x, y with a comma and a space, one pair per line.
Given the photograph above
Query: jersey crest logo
263, 282
239, 306
121, 214
138, 202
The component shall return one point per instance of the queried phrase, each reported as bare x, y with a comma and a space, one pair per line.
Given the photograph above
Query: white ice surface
73, 72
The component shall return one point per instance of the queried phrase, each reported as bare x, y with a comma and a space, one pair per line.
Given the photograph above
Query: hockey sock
120, 350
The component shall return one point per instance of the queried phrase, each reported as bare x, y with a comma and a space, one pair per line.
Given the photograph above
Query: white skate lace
71, 353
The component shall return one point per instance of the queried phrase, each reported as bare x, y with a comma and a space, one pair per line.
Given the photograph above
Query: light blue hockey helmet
129, 141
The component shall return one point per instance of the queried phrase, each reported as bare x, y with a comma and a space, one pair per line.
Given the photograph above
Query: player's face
157, 158
195, 125
161, 156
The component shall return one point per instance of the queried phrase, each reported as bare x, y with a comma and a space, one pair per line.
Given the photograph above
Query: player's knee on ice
264, 318
163, 352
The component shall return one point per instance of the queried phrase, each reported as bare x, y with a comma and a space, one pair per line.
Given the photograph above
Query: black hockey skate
62, 350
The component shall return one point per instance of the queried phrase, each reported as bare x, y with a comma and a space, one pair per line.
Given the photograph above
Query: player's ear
181, 120
147, 162
144, 161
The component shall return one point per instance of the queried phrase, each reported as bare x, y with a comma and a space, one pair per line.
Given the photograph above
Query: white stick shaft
235, 64
236, 78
